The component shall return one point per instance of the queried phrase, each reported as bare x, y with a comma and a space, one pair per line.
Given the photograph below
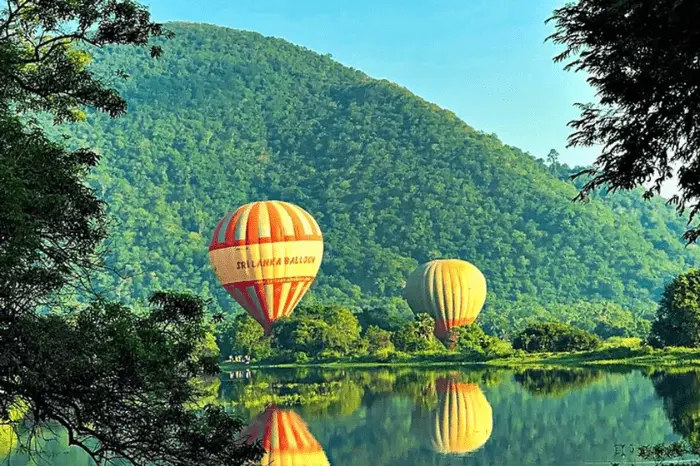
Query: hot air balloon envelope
452, 291
266, 255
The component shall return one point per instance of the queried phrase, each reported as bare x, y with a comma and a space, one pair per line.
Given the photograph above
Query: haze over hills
226, 117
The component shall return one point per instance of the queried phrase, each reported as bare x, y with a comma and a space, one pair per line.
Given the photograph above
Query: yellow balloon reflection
463, 420
8, 440
286, 439
8, 436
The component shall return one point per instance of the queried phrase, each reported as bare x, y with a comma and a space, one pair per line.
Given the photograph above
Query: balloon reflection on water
463, 419
8, 440
286, 439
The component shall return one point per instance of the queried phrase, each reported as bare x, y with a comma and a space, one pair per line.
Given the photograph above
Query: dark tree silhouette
123, 384
643, 59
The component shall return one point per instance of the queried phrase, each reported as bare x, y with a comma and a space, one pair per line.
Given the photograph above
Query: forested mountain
226, 117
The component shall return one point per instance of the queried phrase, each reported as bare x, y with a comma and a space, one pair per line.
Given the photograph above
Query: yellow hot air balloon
452, 291
463, 420
286, 439
266, 254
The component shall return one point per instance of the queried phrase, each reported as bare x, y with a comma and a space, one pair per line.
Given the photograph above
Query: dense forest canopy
227, 117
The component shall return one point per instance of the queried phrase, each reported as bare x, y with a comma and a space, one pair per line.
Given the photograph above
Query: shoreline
637, 358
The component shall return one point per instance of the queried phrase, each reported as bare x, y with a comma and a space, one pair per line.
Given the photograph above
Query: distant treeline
226, 117
327, 333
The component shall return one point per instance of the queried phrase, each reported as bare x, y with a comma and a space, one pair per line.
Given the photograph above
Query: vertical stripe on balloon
296, 223
231, 226
251, 295
305, 224
242, 223
259, 289
244, 299
294, 286
268, 295
276, 228
285, 291
218, 234
264, 231
253, 223
286, 220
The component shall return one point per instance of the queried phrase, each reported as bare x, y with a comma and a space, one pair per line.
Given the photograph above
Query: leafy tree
607, 330
380, 317
555, 337
642, 59
378, 341
107, 374
295, 335
472, 340
318, 331
243, 335
41, 70
553, 160
50, 223
417, 335
208, 352
678, 319
342, 335
603, 318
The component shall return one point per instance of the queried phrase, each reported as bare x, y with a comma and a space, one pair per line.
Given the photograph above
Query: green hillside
227, 117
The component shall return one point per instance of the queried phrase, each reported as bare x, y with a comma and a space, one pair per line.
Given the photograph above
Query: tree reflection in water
556, 382
680, 393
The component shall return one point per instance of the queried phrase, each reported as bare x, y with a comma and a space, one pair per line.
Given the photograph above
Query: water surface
404, 416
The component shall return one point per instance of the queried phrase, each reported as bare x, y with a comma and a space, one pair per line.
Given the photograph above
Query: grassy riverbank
627, 352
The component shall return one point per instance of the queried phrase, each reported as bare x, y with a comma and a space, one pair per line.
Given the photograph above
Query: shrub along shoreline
333, 335
614, 352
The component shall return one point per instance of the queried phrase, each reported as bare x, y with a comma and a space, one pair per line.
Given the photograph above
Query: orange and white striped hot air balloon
266, 254
286, 439
463, 419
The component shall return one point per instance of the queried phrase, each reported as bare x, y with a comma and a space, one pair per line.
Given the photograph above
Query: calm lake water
404, 416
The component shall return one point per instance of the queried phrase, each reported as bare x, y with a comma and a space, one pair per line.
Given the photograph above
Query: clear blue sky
485, 60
